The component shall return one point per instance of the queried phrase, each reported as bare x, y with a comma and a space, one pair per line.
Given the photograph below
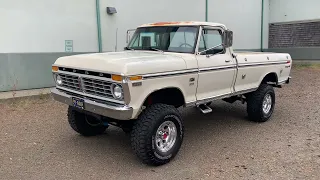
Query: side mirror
228, 38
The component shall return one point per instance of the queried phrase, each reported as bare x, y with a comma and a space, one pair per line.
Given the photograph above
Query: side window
209, 39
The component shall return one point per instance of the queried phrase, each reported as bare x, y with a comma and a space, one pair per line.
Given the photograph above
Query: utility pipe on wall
262, 23
98, 25
206, 10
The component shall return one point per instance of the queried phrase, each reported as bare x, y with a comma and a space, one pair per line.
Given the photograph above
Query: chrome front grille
97, 87
90, 86
71, 82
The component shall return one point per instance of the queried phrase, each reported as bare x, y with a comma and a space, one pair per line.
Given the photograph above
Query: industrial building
34, 33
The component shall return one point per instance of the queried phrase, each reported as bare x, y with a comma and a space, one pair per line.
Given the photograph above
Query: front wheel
157, 135
83, 124
261, 103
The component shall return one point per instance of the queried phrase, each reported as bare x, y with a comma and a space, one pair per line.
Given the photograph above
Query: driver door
217, 68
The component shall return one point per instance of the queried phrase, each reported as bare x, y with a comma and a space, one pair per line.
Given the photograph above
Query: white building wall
134, 13
294, 10
243, 18
44, 25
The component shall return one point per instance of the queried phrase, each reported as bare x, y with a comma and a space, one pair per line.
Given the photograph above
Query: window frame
201, 35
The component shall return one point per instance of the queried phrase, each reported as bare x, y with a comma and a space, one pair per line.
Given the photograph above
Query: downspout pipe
262, 23
206, 10
98, 25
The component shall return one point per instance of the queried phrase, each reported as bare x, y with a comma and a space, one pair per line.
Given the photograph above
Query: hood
125, 62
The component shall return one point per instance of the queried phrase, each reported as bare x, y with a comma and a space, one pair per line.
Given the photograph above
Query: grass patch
306, 65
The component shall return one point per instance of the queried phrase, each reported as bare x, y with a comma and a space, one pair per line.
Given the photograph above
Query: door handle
227, 61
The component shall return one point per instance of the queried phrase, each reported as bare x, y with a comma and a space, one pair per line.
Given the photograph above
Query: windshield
165, 38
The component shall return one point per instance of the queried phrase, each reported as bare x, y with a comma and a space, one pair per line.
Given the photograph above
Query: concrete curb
24, 93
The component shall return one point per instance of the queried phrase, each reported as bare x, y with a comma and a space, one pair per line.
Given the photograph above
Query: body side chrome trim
261, 64
217, 68
170, 73
181, 72
190, 71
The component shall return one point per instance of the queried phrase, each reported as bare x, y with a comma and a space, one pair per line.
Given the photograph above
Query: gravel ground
37, 143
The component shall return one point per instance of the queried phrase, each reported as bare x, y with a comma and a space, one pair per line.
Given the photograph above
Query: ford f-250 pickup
165, 66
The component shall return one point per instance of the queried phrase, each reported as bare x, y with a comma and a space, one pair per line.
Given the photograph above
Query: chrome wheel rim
166, 136
267, 104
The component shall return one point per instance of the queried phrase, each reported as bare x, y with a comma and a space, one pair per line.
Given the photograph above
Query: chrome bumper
115, 112
287, 81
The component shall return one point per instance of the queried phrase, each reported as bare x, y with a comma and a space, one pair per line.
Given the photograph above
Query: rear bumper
286, 81
115, 112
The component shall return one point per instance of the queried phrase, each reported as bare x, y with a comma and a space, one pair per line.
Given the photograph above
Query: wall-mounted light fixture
111, 10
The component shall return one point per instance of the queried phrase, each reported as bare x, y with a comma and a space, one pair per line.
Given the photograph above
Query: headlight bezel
57, 79
117, 94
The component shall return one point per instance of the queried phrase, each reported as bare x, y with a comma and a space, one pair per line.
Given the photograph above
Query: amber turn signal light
55, 68
117, 77
135, 78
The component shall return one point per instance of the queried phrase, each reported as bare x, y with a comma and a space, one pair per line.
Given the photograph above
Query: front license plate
79, 103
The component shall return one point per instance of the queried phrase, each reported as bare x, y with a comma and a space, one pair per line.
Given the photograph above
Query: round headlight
58, 80
117, 91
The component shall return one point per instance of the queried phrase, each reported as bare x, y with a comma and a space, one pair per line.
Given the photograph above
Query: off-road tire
255, 101
127, 127
78, 123
144, 131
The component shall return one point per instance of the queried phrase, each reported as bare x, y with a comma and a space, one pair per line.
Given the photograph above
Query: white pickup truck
165, 66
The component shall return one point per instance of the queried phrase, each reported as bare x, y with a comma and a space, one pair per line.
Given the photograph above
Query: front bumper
115, 112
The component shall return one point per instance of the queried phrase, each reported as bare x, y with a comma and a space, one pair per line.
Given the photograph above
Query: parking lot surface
36, 141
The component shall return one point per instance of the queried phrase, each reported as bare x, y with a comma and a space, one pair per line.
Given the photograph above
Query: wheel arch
270, 78
176, 96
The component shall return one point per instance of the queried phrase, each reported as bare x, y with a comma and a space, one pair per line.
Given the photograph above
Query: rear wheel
157, 135
83, 124
261, 103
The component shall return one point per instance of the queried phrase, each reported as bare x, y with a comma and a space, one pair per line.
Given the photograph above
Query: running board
204, 108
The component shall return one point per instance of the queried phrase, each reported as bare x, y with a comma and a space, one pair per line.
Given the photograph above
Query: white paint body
213, 78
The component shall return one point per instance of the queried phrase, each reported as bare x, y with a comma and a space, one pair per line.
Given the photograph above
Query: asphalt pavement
36, 142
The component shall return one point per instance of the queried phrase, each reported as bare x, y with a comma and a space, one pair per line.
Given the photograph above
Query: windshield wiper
127, 48
155, 49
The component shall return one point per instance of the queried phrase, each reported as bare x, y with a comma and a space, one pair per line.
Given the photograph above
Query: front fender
148, 86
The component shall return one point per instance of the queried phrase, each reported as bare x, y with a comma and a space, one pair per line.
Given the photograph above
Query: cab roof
183, 23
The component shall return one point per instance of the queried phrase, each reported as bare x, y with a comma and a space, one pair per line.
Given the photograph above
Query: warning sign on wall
68, 45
